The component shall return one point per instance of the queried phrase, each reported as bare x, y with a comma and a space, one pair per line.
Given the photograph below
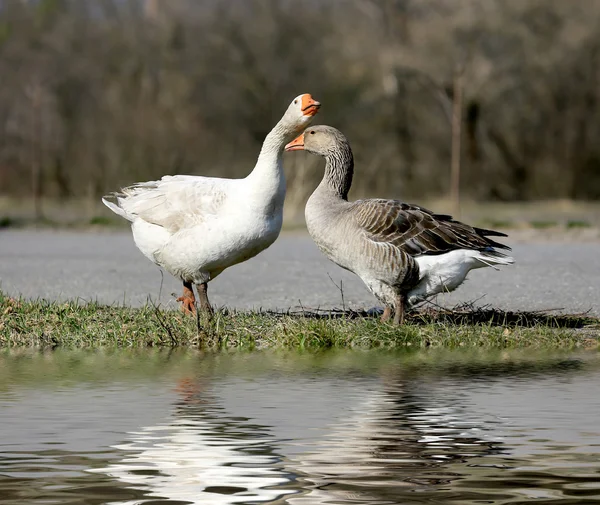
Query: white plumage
442, 273
195, 227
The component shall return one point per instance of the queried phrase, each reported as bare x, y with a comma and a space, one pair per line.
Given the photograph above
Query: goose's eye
312, 132
295, 101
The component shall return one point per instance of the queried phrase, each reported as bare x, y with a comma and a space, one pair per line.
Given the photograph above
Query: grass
495, 224
7, 222
49, 324
102, 221
574, 223
50, 223
542, 225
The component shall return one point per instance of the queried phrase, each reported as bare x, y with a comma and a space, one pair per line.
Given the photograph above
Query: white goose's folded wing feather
174, 202
417, 230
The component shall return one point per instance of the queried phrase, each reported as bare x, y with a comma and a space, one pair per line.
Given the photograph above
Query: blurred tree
101, 93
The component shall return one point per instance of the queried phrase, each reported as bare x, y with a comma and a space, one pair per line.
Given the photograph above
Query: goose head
300, 113
333, 145
320, 140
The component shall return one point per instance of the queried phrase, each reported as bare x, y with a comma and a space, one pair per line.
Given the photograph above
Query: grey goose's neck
339, 169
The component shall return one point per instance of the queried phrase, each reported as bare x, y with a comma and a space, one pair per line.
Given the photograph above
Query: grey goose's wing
417, 230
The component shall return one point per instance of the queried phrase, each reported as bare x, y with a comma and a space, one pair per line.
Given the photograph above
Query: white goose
402, 252
195, 227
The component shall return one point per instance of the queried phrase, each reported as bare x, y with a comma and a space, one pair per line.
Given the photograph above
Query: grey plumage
389, 243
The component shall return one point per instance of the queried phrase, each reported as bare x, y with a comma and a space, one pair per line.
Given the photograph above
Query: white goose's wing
174, 202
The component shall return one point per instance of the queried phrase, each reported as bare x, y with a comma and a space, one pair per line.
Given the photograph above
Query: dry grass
46, 324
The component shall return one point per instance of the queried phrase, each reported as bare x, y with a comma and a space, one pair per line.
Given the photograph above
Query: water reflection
261, 428
235, 441
202, 456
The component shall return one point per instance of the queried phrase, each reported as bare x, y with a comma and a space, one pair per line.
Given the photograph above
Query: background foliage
96, 94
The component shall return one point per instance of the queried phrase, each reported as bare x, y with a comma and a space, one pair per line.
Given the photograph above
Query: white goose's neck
269, 163
267, 181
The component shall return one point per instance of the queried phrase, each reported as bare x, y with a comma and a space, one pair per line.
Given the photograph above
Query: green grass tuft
542, 225
495, 224
578, 224
72, 324
6, 222
100, 220
106, 221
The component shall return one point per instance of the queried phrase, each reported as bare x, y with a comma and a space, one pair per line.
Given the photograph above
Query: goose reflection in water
200, 455
402, 439
301, 439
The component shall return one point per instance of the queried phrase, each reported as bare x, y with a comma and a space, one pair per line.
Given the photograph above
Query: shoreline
45, 324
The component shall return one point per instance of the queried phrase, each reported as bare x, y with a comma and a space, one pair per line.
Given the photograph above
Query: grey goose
403, 253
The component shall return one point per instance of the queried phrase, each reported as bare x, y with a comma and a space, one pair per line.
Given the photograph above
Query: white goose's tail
116, 206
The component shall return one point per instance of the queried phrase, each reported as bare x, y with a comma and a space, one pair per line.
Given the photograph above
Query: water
92, 427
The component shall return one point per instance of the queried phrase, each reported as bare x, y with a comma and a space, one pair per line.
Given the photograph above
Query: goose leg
203, 294
400, 305
387, 313
188, 299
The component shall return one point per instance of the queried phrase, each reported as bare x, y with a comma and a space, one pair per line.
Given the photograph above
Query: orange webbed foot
188, 305
188, 300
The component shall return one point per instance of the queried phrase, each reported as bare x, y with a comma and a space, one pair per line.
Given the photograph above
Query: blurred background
493, 102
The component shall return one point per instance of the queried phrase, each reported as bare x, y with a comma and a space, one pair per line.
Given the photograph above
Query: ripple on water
340, 428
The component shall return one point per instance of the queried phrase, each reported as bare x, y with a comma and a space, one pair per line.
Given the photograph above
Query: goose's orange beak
309, 105
297, 144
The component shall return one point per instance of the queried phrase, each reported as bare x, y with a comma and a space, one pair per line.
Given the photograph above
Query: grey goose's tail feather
484, 233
